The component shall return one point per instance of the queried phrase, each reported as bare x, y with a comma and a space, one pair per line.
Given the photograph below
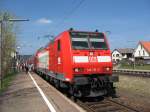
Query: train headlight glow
107, 69
78, 69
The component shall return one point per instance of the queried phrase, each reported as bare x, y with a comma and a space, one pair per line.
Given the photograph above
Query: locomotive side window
59, 45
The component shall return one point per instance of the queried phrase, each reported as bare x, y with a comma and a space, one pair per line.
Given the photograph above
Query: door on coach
59, 56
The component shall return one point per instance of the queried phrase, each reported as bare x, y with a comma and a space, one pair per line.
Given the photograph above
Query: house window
113, 55
117, 55
117, 60
139, 53
143, 53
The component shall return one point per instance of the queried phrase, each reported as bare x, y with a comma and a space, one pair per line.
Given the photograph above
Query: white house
119, 54
142, 51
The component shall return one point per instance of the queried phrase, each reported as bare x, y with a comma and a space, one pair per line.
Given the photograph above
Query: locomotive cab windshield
86, 40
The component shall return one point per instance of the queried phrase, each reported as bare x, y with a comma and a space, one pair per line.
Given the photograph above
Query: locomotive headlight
78, 69
107, 69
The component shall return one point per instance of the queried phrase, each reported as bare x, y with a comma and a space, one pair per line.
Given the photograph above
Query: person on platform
27, 69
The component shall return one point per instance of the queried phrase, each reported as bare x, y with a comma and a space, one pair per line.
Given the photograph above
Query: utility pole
1, 54
1, 44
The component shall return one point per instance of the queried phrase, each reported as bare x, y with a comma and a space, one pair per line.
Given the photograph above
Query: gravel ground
135, 91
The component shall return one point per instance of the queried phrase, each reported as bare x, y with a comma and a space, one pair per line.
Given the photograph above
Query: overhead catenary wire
62, 21
70, 13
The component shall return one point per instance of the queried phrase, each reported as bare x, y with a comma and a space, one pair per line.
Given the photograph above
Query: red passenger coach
80, 62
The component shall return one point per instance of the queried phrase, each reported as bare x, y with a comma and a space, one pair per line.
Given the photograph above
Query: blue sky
127, 20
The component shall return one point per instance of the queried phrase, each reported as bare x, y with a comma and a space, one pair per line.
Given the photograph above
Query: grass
139, 67
7, 80
137, 85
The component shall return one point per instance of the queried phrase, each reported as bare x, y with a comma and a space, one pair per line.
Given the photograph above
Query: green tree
8, 42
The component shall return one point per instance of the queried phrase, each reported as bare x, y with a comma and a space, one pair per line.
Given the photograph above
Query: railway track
100, 104
105, 105
139, 73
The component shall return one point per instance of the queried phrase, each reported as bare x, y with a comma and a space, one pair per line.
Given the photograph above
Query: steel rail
113, 103
128, 107
140, 73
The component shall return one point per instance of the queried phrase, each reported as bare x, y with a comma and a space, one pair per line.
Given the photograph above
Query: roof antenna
96, 30
71, 29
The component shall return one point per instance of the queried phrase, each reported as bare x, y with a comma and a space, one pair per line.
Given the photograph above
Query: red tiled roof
146, 45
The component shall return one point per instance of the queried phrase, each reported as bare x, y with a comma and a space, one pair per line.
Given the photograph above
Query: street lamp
1, 43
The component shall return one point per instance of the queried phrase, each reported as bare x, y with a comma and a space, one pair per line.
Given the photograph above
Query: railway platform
30, 93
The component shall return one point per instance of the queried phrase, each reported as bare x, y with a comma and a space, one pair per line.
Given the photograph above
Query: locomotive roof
84, 32
69, 31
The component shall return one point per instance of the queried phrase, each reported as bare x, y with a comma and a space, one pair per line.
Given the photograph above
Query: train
78, 62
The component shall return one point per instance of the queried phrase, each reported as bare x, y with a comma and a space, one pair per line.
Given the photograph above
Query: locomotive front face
91, 54
91, 64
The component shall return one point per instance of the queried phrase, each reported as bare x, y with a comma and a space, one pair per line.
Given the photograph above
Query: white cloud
44, 21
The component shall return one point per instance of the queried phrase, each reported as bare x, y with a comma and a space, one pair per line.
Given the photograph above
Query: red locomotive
78, 61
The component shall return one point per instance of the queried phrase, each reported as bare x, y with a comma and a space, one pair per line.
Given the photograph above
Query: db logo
92, 59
